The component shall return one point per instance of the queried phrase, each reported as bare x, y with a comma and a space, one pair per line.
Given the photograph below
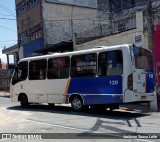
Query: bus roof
96, 49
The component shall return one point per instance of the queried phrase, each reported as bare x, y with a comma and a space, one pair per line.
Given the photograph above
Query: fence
5, 84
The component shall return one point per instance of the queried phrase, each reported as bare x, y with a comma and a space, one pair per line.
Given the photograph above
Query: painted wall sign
138, 38
84, 3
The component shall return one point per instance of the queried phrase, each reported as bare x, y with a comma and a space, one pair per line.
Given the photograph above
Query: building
126, 23
122, 22
136, 35
48, 25
13, 50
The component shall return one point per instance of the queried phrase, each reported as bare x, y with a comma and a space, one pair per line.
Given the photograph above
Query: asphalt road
62, 124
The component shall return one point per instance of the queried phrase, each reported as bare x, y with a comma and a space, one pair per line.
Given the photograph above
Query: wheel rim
77, 104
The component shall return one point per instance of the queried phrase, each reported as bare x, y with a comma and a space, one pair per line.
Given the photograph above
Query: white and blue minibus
102, 76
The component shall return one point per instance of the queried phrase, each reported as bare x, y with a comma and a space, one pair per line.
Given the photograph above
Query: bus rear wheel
51, 105
77, 103
24, 101
113, 107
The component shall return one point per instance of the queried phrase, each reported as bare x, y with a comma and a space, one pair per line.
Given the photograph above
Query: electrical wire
6, 18
8, 10
8, 40
8, 28
7, 15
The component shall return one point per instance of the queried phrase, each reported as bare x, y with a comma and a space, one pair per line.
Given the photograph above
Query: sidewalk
3, 93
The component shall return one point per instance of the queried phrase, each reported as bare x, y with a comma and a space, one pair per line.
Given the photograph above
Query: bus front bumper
14, 98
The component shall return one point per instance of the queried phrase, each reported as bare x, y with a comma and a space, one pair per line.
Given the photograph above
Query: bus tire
24, 101
98, 108
112, 107
77, 104
51, 105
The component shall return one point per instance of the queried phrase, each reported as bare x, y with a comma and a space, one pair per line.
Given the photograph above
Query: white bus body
106, 76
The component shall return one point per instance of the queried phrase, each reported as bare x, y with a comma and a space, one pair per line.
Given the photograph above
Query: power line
95, 14
7, 19
55, 17
8, 40
7, 44
2, 18
94, 19
7, 15
7, 28
8, 10
74, 15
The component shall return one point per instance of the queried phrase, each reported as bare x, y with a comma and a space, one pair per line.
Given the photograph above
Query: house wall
61, 20
136, 36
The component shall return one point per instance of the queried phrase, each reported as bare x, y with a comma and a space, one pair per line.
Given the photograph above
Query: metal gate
5, 84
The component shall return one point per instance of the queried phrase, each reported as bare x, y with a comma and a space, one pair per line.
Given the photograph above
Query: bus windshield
143, 58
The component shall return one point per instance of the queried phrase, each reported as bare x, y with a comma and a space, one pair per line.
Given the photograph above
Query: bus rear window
143, 58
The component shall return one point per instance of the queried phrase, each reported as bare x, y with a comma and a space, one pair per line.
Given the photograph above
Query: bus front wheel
77, 103
24, 101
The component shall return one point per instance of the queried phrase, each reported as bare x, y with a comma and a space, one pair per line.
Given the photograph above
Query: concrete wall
61, 20
127, 37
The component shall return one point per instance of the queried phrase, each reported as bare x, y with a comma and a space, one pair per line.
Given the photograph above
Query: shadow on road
116, 114
5, 96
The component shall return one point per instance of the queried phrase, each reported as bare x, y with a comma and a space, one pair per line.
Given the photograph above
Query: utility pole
72, 30
150, 25
153, 104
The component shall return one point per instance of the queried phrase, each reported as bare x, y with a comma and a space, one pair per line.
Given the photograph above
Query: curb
3, 93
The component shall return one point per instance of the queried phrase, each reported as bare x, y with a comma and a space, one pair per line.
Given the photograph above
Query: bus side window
115, 66
110, 63
58, 68
102, 70
84, 65
37, 69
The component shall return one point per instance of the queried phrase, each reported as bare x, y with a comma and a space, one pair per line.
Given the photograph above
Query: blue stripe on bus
98, 85
102, 99
150, 81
